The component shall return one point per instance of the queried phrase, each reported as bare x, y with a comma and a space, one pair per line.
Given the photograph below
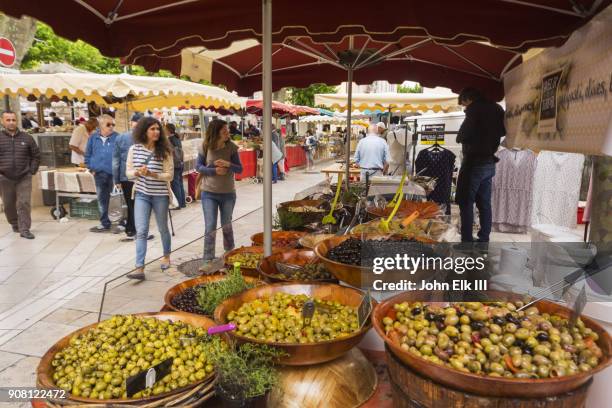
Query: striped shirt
139, 156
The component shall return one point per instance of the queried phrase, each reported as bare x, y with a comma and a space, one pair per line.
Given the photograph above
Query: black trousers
130, 227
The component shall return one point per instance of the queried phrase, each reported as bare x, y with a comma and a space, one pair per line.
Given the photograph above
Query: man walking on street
479, 135
99, 160
19, 160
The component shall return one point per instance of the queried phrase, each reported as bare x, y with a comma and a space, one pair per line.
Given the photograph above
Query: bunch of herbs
212, 294
247, 371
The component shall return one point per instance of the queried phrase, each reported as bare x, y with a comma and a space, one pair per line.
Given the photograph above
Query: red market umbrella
119, 28
255, 107
300, 61
304, 110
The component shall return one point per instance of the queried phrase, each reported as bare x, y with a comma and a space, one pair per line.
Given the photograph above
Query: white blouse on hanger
556, 188
512, 197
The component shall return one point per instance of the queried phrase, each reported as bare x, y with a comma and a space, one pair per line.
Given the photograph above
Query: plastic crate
84, 208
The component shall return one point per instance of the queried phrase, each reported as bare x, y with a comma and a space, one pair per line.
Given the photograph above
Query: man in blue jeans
479, 135
99, 160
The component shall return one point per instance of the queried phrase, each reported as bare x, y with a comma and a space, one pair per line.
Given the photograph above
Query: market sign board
8, 55
432, 139
561, 99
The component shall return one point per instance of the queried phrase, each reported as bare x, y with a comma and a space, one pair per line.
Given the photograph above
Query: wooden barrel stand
411, 390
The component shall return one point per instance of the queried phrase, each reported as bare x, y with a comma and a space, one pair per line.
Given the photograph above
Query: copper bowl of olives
47, 368
180, 289
249, 257
313, 270
495, 350
337, 299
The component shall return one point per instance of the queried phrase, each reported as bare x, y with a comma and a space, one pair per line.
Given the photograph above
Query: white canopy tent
141, 92
394, 102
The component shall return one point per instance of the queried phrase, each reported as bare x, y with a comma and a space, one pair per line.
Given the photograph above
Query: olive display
279, 319
310, 272
97, 363
494, 339
187, 300
356, 252
248, 260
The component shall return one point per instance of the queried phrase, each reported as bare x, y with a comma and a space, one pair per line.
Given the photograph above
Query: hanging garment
512, 198
556, 188
396, 139
440, 165
586, 217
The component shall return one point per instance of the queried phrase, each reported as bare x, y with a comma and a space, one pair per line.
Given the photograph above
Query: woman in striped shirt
150, 162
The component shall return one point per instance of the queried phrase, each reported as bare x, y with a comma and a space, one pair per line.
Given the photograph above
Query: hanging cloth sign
561, 99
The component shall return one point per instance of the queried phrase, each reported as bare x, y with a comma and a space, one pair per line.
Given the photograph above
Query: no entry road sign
7, 52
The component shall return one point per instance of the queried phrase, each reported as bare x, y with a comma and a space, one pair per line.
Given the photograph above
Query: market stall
458, 354
134, 93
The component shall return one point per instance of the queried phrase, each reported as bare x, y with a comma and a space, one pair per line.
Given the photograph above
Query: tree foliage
305, 96
410, 89
49, 47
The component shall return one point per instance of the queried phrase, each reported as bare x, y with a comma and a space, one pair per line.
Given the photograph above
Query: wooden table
338, 168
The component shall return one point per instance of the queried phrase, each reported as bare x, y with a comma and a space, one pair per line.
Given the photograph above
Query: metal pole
127, 116
349, 106
267, 123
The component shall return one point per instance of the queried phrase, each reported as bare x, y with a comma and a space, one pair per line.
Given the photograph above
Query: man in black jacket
19, 160
479, 135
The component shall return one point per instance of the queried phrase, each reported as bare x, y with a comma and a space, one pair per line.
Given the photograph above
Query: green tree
410, 89
49, 47
305, 96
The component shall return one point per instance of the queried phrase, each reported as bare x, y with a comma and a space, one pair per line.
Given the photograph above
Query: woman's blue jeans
143, 205
274, 172
213, 204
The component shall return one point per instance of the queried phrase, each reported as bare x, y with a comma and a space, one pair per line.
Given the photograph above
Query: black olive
476, 325
519, 343
499, 320
430, 316
440, 325
416, 311
440, 318
512, 319
542, 336
528, 350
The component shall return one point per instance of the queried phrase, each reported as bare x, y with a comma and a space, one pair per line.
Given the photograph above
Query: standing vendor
479, 135
372, 154
79, 139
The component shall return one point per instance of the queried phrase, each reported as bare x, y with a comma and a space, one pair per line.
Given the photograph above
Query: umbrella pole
267, 123
349, 106
127, 116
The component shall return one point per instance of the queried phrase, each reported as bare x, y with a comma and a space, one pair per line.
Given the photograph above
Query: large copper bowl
252, 250
44, 372
426, 209
300, 354
290, 237
361, 276
493, 386
267, 266
200, 280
